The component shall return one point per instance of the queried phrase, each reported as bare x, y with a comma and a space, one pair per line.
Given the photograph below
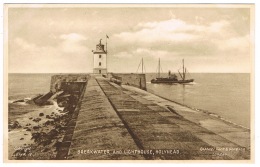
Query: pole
142, 66
183, 69
159, 67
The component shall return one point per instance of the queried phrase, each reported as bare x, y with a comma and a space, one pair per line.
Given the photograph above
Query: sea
224, 94
25, 86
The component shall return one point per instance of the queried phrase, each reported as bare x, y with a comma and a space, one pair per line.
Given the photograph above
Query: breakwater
125, 122
136, 80
107, 121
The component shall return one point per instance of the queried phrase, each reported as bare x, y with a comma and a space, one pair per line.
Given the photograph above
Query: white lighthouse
100, 59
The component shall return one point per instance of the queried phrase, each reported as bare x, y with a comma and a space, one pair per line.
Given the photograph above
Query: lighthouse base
99, 71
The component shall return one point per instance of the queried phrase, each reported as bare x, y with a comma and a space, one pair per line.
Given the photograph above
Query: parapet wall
136, 80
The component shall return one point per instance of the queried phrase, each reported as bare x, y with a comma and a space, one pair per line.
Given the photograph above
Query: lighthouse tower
100, 59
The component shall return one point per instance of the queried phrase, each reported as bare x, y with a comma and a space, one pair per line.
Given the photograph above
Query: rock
43, 99
17, 124
49, 122
50, 117
43, 138
58, 126
53, 133
63, 104
37, 97
28, 124
25, 134
31, 101
37, 119
36, 127
63, 127
14, 125
64, 111
41, 114
56, 94
45, 149
28, 129
31, 118
22, 138
57, 119
48, 103
17, 101
63, 97
38, 136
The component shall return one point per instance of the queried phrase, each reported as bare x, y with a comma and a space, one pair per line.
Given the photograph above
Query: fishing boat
172, 78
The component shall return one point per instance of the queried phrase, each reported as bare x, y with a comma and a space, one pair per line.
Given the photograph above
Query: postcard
129, 82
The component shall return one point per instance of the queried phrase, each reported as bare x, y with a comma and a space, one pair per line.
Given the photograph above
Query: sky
61, 39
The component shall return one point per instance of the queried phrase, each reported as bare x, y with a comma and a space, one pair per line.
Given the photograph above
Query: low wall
136, 80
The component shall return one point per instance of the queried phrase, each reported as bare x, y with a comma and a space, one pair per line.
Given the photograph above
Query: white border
257, 69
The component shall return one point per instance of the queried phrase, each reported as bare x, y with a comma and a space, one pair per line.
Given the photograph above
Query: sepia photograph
139, 82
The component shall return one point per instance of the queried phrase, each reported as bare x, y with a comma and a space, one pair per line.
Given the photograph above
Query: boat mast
159, 68
180, 74
183, 72
142, 66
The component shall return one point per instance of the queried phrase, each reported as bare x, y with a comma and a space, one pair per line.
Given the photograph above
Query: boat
143, 67
172, 78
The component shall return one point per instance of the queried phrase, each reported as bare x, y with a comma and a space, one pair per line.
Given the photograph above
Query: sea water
224, 94
25, 86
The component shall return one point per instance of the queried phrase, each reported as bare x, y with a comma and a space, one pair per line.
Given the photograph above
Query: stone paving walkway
98, 128
125, 118
217, 132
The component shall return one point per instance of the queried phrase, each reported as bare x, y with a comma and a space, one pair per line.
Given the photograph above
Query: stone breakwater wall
136, 80
118, 122
74, 84
64, 146
70, 82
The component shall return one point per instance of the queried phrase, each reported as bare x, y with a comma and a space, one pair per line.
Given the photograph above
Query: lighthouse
100, 59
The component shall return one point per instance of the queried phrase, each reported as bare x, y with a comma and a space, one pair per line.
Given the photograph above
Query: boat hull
171, 82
